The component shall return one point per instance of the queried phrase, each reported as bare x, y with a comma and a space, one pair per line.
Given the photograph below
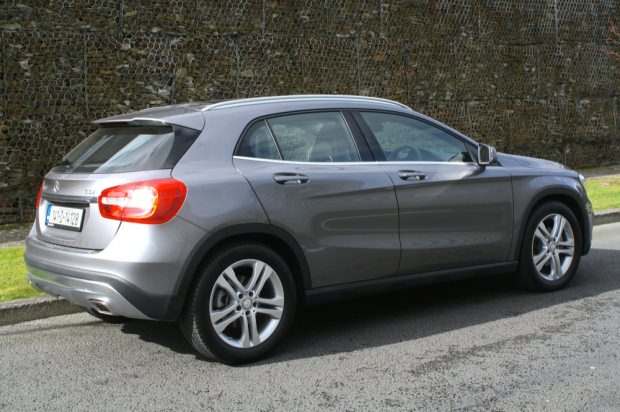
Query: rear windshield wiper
64, 162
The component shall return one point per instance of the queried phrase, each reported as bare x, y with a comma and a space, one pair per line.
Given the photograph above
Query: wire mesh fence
529, 76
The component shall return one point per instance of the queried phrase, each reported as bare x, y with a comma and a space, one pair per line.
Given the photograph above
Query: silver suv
226, 216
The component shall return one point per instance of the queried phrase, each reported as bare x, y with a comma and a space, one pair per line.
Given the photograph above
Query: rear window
129, 149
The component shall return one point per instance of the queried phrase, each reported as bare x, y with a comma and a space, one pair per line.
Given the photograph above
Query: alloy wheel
553, 247
246, 303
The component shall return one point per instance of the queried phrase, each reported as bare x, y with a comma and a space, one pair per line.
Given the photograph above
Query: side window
404, 139
259, 143
314, 137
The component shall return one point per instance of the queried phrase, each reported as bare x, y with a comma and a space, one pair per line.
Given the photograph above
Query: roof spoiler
192, 120
136, 121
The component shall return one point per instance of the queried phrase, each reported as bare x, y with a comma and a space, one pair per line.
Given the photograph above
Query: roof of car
190, 114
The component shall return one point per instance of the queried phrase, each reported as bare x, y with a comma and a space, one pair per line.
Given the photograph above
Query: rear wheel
551, 248
242, 305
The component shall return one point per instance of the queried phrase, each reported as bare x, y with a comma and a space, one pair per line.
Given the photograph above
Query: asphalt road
473, 345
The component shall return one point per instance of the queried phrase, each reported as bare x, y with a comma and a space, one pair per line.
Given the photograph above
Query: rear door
307, 172
453, 212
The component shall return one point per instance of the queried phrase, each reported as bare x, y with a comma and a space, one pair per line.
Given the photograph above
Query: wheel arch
563, 195
275, 237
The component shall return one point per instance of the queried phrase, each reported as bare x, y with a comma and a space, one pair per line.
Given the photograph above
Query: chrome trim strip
69, 199
354, 163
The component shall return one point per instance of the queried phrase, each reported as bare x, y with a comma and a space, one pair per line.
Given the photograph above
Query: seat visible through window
305, 137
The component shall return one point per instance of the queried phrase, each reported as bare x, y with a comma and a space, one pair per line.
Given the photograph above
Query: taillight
36, 206
151, 201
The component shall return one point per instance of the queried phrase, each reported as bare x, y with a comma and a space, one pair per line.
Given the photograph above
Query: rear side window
129, 149
305, 137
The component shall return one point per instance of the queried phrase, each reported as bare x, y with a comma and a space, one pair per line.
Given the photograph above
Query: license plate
64, 217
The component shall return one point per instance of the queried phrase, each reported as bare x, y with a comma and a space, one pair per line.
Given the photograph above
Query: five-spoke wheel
551, 248
246, 303
242, 304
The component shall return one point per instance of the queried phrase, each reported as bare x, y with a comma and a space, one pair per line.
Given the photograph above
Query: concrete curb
607, 216
23, 310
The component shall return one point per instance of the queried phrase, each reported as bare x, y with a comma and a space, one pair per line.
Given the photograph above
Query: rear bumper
136, 276
99, 296
61, 272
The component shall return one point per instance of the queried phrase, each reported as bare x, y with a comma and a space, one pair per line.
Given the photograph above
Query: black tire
528, 277
108, 318
195, 321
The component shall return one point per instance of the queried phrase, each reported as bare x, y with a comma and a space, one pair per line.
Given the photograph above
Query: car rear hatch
116, 153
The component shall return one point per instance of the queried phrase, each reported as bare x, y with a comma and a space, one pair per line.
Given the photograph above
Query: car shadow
166, 334
410, 314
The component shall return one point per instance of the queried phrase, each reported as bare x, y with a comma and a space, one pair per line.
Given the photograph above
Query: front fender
530, 191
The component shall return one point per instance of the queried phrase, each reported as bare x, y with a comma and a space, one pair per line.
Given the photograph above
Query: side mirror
486, 155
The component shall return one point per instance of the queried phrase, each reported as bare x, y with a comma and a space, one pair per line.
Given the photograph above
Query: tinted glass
129, 149
259, 143
314, 137
405, 139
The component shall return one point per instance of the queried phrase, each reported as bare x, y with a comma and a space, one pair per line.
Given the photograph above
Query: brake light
151, 201
36, 206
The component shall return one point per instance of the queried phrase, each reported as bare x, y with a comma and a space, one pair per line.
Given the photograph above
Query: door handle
411, 175
290, 178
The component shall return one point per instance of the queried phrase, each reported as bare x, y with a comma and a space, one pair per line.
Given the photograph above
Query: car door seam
255, 194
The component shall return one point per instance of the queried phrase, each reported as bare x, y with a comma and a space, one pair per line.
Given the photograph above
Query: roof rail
297, 98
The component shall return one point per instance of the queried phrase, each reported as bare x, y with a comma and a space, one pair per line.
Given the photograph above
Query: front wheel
242, 305
551, 248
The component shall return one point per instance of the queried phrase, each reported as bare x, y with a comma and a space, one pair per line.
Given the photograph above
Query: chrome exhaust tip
100, 306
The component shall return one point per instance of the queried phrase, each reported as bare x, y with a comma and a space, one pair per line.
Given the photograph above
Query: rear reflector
151, 201
39, 196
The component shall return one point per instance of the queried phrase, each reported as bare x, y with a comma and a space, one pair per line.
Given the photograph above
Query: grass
15, 226
13, 283
604, 193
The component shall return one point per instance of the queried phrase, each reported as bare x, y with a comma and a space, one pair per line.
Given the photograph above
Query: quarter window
306, 137
404, 139
259, 143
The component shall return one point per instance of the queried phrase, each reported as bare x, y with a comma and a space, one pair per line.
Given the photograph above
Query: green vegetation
13, 283
15, 226
604, 193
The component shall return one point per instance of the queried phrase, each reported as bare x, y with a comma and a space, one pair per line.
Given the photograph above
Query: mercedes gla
227, 216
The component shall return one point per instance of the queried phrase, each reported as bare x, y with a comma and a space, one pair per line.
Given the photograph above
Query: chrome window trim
354, 163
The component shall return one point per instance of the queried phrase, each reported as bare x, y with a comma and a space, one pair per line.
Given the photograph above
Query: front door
453, 212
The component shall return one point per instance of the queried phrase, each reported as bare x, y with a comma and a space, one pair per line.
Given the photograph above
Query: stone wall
529, 76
